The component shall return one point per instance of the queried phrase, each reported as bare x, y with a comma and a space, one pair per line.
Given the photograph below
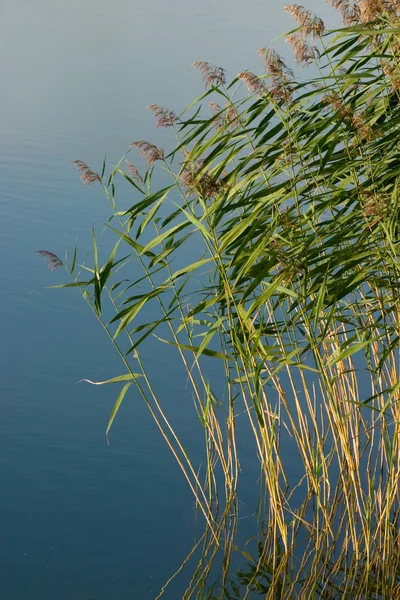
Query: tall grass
288, 199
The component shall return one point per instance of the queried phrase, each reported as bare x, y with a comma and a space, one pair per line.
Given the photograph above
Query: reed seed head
281, 76
134, 172
254, 84
164, 117
211, 74
311, 24
87, 175
364, 130
197, 179
226, 115
349, 10
334, 100
53, 262
373, 205
370, 10
232, 114
274, 64
373, 10
218, 116
150, 152
304, 54
392, 73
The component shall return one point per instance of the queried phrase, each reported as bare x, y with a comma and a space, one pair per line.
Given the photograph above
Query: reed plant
273, 249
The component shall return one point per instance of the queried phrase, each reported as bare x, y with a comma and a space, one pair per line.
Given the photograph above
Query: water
81, 519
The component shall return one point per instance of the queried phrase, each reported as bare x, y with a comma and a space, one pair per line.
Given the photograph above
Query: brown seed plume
393, 74
304, 54
197, 179
218, 116
349, 10
52, 260
134, 172
364, 130
164, 117
226, 115
254, 84
372, 10
311, 25
87, 175
274, 64
150, 152
211, 74
281, 76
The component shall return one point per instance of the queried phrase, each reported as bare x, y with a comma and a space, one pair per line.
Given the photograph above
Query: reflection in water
314, 566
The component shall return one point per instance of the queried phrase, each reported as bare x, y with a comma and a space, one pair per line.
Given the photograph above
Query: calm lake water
80, 519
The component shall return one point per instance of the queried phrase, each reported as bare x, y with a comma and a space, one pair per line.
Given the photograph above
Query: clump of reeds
291, 197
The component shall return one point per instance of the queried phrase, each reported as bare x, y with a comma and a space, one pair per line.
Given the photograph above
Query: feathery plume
281, 75
52, 260
304, 54
392, 73
364, 131
197, 179
334, 100
231, 114
311, 24
370, 10
211, 74
274, 64
349, 10
217, 112
226, 115
150, 152
134, 172
254, 84
88, 176
164, 117
345, 112
393, 8
373, 205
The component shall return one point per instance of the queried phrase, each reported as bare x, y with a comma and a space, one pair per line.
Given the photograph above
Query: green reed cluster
281, 208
